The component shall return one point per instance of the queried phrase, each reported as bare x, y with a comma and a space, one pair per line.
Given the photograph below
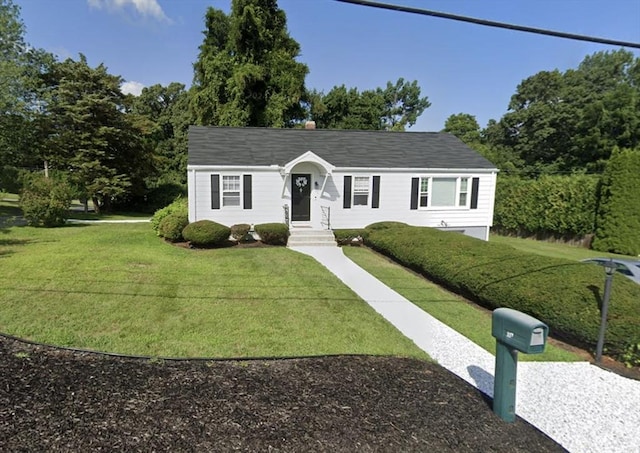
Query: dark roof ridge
317, 129
347, 148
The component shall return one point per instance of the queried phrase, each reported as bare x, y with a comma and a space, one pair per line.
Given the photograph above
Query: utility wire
490, 23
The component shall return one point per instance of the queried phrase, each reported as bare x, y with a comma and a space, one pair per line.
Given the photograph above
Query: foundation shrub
172, 225
179, 206
273, 233
564, 294
239, 231
206, 233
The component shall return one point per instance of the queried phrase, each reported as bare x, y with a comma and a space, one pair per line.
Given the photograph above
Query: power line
490, 23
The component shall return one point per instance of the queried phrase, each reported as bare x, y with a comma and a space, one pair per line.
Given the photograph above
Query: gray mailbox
519, 330
514, 331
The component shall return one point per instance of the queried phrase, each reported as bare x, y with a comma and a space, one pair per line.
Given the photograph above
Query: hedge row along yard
565, 294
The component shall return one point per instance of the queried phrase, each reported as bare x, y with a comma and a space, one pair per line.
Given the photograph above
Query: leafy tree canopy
391, 108
464, 126
246, 73
20, 70
166, 108
572, 120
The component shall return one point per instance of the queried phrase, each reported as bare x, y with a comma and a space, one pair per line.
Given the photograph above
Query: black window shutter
246, 192
215, 191
375, 200
474, 193
346, 202
415, 185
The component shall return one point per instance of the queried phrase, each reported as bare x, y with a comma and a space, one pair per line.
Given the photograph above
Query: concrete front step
311, 238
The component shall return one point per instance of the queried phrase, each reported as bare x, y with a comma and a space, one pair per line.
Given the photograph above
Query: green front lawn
119, 288
9, 207
462, 316
552, 249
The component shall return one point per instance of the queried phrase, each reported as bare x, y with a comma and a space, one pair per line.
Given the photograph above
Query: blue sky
460, 67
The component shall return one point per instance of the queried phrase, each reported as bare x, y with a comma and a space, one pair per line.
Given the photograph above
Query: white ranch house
332, 179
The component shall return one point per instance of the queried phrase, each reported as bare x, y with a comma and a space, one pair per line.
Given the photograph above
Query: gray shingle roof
210, 145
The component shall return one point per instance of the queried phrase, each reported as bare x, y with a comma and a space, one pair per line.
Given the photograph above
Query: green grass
462, 316
551, 249
9, 206
79, 215
119, 288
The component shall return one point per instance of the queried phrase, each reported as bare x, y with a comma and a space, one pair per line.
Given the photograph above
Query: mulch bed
59, 400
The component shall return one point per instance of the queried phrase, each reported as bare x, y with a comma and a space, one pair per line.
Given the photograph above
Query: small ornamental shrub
45, 202
562, 293
240, 231
180, 206
273, 233
172, 225
206, 233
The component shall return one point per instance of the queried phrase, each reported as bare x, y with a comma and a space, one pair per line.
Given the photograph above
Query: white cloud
146, 8
132, 87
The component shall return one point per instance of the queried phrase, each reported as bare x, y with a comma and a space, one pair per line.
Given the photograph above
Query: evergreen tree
90, 134
618, 218
246, 73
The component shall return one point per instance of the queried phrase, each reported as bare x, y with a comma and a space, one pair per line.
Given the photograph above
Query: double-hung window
360, 190
231, 191
444, 192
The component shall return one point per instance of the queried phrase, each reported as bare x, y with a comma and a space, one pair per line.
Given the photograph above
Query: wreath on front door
301, 182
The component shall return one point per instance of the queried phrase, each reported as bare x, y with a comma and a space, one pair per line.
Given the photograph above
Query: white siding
271, 191
395, 203
266, 199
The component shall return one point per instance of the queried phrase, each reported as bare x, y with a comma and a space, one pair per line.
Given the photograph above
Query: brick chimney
310, 125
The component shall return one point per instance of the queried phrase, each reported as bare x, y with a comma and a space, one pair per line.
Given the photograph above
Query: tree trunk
96, 205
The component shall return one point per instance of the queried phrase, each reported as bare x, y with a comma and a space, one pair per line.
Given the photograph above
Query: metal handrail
286, 214
326, 216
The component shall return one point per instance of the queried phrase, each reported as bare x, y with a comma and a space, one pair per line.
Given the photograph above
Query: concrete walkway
580, 406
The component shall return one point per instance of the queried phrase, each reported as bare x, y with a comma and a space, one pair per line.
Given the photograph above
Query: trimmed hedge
206, 233
240, 231
180, 206
385, 224
171, 226
273, 233
564, 294
618, 227
563, 206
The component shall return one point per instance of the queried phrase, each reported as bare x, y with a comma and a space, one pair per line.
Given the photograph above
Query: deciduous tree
20, 70
391, 108
572, 121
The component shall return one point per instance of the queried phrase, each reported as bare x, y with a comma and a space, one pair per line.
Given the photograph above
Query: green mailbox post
514, 331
